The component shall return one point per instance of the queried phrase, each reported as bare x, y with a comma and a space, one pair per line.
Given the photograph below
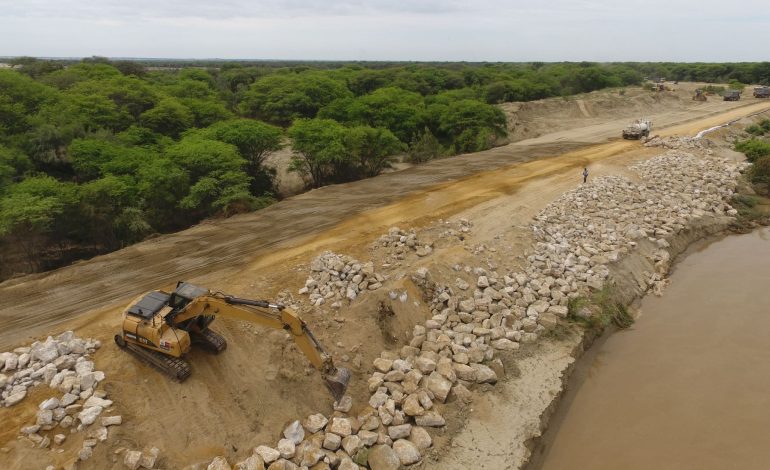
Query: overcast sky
481, 30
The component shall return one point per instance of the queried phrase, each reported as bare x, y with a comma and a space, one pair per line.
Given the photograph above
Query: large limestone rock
382, 457
420, 438
89, 415
131, 459
407, 452
484, 374
45, 352
267, 454
219, 463
254, 462
341, 426
287, 448
294, 432
439, 385
315, 423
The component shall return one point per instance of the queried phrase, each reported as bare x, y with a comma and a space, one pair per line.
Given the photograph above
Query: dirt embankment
244, 397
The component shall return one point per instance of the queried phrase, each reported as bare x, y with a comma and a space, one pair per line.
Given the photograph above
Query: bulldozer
699, 95
161, 327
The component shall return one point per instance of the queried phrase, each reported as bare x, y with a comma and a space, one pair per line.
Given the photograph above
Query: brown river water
688, 386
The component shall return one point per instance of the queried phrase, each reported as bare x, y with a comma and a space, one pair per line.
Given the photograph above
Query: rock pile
454, 351
401, 242
334, 278
680, 142
59, 362
596, 224
63, 364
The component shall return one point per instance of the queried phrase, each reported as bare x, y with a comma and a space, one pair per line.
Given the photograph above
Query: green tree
169, 117
103, 202
162, 184
206, 111
472, 125
29, 211
371, 149
424, 147
399, 110
319, 150
255, 140
20, 98
136, 136
131, 95
282, 98
217, 181
13, 165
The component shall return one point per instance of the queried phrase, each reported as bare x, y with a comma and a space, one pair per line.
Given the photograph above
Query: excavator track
174, 367
210, 341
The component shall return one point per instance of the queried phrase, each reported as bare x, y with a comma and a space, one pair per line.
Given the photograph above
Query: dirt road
34, 305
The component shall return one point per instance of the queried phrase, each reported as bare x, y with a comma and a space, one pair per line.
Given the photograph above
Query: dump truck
159, 328
638, 129
762, 92
731, 95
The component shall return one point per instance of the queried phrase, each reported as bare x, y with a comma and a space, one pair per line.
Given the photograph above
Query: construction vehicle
161, 327
638, 129
762, 92
699, 95
731, 95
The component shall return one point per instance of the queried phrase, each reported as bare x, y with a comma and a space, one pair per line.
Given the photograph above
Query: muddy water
688, 387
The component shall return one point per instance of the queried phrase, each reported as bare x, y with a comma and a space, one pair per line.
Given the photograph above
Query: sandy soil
244, 396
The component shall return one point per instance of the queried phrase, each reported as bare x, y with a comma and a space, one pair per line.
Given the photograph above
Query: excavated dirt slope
243, 397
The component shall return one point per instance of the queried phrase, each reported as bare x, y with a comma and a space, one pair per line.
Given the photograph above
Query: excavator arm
273, 316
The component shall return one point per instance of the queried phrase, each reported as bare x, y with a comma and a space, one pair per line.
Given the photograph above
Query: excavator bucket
337, 382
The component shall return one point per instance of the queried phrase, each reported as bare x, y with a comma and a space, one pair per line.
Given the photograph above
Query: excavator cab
184, 294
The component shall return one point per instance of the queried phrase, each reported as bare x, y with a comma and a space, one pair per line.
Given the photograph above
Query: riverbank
513, 420
685, 388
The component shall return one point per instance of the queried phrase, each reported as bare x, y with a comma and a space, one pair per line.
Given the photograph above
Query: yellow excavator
160, 328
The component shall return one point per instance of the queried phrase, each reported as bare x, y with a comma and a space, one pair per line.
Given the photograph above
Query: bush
759, 129
753, 148
713, 89
424, 147
760, 174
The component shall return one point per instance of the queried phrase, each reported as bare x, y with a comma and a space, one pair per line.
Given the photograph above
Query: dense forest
98, 154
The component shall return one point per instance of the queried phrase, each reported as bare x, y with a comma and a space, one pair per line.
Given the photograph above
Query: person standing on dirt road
585, 175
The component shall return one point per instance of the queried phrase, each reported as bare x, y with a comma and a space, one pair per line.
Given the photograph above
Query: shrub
714, 89
760, 174
753, 148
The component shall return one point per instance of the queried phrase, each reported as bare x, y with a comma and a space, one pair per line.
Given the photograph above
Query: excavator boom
161, 325
336, 378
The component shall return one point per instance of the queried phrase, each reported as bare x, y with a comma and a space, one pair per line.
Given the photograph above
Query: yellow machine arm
274, 316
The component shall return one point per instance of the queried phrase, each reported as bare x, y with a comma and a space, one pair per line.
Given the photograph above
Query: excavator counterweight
160, 328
